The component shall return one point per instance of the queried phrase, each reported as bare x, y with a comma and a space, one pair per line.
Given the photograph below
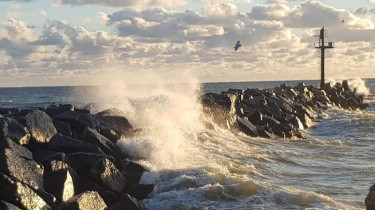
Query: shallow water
196, 164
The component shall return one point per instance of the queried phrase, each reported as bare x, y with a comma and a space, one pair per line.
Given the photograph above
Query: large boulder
128, 202
247, 127
40, 126
77, 120
88, 185
63, 128
66, 144
113, 124
82, 162
140, 191
94, 137
43, 156
26, 171
14, 130
7, 111
87, 200
132, 171
60, 180
53, 110
370, 198
105, 173
21, 195
19, 150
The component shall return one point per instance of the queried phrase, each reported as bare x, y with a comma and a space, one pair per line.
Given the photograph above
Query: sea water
196, 164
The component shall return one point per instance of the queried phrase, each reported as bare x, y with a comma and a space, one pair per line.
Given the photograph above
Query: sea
196, 164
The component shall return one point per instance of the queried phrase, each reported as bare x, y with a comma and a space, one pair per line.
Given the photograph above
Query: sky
91, 42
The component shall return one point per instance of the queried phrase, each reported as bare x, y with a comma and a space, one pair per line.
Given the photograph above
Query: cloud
43, 13
125, 3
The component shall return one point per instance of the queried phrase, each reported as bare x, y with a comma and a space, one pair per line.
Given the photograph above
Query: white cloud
127, 3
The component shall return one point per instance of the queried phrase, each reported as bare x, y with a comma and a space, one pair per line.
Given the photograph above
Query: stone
94, 137
14, 130
109, 197
53, 110
8, 206
82, 162
132, 171
253, 92
345, 85
59, 180
89, 200
140, 191
21, 195
105, 173
216, 99
63, 128
6, 111
19, 150
77, 120
26, 171
40, 126
370, 198
128, 202
42, 156
113, 121
66, 144
247, 127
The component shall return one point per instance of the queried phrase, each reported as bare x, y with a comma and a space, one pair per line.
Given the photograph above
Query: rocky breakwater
280, 112
66, 158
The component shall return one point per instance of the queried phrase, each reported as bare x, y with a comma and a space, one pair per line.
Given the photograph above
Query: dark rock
20, 194
6, 111
234, 91
94, 137
63, 128
66, 144
253, 92
40, 126
60, 109
370, 198
42, 156
105, 173
217, 99
19, 150
345, 85
132, 171
77, 120
59, 179
127, 202
247, 127
90, 200
28, 172
113, 122
140, 191
109, 197
14, 130
83, 162
8, 206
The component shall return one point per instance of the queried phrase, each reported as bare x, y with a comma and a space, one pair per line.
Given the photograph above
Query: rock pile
279, 112
66, 158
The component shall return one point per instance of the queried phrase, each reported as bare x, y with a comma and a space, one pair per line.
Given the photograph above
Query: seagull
238, 45
342, 21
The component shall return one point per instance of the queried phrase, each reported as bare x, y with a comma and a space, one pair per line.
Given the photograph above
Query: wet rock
53, 110
26, 171
132, 171
21, 195
105, 173
8, 206
82, 162
217, 99
42, 156
66, 144
90, 200
94, 137
127, 202
140, 191
113, 122
59, 180
19, 150
77, 120
247, 127
40, 126
370, 198
63, 128
253, 92
14, 130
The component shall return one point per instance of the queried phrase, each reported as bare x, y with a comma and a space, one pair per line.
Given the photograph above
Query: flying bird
238, 45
